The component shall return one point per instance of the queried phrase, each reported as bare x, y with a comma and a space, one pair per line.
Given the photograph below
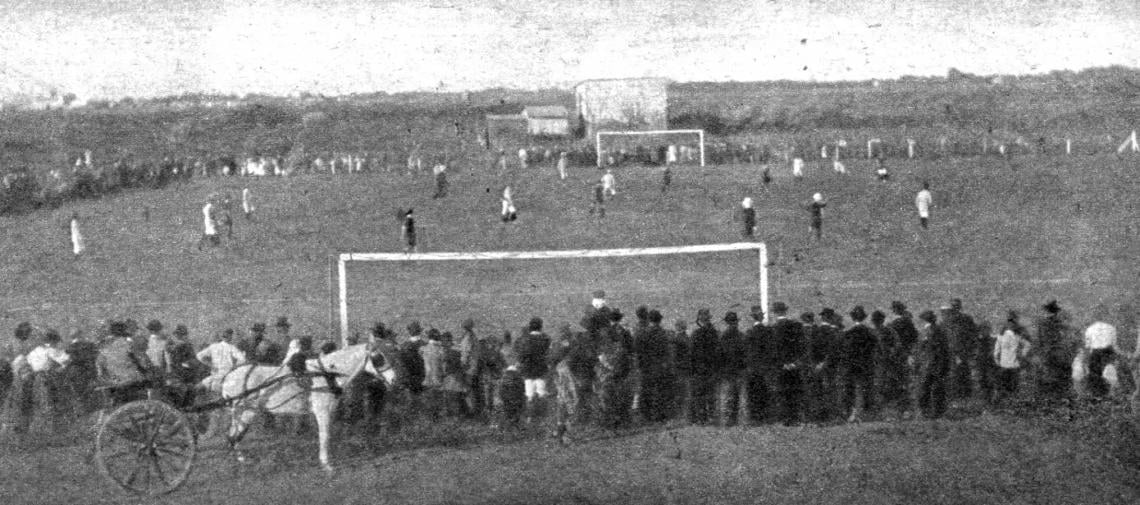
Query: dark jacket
616, 348
269, 353
580, 355
652, 349
184, 365
860, 346
682, 356
705, 351
823, 344
413, 365
531, 349
889, 355
932, 353
758, 348
788, 337
734, 360
961, 333
903, 326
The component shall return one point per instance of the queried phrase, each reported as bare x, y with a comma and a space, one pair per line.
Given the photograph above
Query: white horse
276, 390
1115, 375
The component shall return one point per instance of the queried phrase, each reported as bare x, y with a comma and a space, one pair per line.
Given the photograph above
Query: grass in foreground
991, 458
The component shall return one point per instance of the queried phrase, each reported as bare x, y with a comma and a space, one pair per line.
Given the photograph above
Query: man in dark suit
903, 326
932, 360
962, 334
758, 357
859, 365
652, 349
733, 368
706, 361
788, 337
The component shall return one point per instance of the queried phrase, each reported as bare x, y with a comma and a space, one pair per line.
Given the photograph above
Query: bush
23, 195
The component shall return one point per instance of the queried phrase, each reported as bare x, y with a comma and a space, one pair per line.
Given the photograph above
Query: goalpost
598, 139
341, 295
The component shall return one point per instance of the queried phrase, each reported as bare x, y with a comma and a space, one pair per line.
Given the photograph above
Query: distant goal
501, 290
671, 146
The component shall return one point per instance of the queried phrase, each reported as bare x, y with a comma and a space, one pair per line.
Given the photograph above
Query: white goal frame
598, 139
345, 258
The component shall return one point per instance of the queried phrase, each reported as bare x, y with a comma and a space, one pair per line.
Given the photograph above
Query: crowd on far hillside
815, 367
23, 189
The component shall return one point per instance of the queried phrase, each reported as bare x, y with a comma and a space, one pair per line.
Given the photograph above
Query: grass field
1004, 235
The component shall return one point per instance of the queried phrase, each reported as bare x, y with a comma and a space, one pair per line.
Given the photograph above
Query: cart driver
123, 371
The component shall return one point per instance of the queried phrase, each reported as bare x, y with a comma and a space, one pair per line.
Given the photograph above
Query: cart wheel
146, 447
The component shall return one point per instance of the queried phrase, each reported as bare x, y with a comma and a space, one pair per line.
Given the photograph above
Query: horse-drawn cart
148, 446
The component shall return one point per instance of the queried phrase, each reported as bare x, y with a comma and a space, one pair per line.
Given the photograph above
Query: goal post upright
344, 258
614, 133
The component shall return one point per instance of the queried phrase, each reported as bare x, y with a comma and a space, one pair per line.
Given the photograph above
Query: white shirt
1009, 349
923, 201
156, 350
1100, 336
208, 223
608, 181
42, 357
222, 356
246, 205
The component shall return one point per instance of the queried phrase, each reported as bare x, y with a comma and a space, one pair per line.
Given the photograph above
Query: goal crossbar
344, 258
598, 139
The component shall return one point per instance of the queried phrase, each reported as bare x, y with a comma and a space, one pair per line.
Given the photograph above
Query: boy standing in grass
246, 204
508, 213
923, 201
77, 246
609, 184
210, 227
563, 164
1009, 352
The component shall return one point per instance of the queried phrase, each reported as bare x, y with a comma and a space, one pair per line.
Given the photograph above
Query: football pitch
1004, 235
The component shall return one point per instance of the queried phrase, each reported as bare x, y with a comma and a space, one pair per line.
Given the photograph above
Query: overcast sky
111, 48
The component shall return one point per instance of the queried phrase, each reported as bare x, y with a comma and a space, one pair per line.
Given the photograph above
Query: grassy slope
999, 232
981, 460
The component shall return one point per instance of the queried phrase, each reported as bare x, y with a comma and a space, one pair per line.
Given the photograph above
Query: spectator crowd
814, 368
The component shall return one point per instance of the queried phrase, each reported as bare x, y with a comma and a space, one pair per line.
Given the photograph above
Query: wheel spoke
130, 482
154, 463
119, 454
169, 452
176, 443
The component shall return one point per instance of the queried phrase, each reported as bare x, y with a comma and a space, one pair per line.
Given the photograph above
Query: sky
115, 48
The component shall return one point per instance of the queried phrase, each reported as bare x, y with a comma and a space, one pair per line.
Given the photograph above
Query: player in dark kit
816, 206
408, 232
748, 215
598, 204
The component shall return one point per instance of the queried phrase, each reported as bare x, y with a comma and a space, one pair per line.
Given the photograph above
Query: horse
1120, 375
278, 390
